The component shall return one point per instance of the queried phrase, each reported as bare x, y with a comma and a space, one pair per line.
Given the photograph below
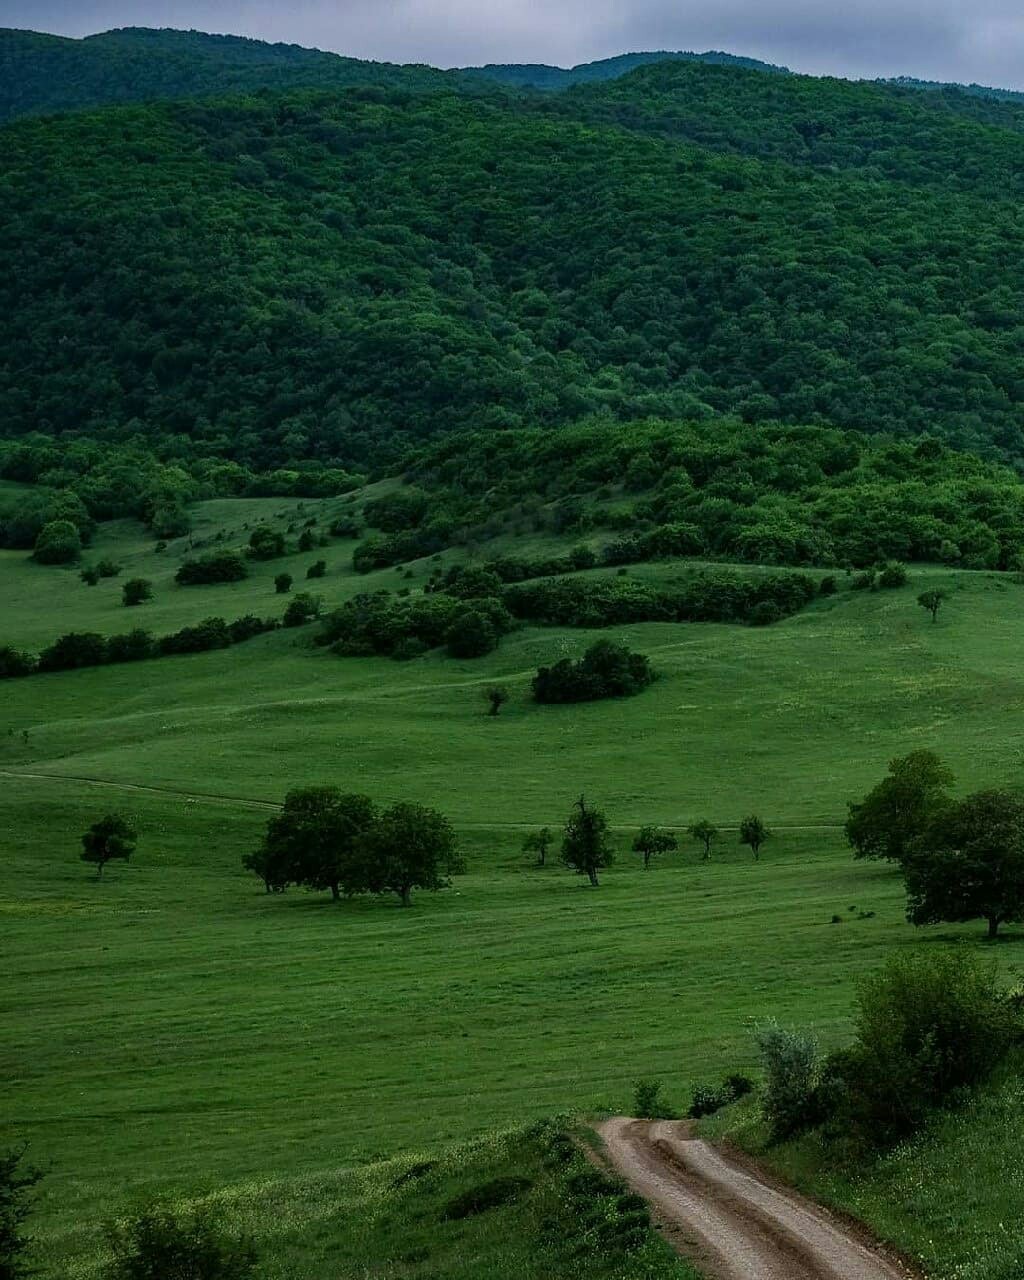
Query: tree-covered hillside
42, 73
332, 276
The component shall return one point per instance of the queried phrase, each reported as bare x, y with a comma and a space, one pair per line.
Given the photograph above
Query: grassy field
173, 1028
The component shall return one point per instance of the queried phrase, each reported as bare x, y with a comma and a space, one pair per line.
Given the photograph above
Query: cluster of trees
326, 840
153, 480
606, 670
719, 596
961, 859
272, 284
766, 494
404, 626
78, 649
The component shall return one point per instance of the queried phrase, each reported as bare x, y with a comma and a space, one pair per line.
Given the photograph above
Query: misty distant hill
540, 76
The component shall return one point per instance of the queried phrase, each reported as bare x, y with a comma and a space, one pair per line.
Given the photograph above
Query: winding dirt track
733, 1225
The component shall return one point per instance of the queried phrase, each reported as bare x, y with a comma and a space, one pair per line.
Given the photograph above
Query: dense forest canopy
335, 276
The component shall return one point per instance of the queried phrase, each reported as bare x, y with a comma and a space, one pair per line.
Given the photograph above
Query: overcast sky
965, 40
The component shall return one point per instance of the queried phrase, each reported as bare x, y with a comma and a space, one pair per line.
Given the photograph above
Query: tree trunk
647, 862
405, 893
335, 892
99, 869
592, 873
993, 926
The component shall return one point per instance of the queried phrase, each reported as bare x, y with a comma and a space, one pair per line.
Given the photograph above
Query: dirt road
733, 1225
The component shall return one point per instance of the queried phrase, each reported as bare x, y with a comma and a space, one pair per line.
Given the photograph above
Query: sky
960, 40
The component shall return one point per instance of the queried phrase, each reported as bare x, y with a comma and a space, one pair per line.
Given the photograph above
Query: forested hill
548, 78
334, 276
41, 73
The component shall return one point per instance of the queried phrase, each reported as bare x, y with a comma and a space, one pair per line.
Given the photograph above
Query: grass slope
173, 1028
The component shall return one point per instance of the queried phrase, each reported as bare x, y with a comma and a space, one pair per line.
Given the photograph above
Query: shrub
307, 541
346, 527
59, 542
265, 544
827, 586
167, 1243
707, 1099
317, 570
893, 574
791, 1101
14, 663
137, 591
489, 1195
928, 1027
283, 583
301, 609
136, 646
108, 568
647, 1101
471, 635
218, 566
73, 650
90, 575
212, 633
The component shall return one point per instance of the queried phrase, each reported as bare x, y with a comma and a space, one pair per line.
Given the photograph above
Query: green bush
59, 542
929, 1027
791, 1101
163, 1243
218, 566
647, 1101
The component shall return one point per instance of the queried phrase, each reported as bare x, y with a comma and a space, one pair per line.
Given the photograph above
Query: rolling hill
332, 276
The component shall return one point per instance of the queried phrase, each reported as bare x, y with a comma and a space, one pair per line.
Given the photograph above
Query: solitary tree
314, 840
111, 838
283, 583
409, 847
496, 696
137, 591
969, 864
754, 833
895, 812
651, 841
586, 845
704, 833
932, 601
16, 1183
539, 842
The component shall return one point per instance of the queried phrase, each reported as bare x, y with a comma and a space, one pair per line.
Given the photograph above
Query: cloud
936, 39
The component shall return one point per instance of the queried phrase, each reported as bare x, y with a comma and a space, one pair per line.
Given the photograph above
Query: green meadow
173, 1029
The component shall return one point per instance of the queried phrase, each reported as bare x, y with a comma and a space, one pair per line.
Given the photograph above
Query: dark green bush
163, 1243
606, 670
217, 566
928, 1028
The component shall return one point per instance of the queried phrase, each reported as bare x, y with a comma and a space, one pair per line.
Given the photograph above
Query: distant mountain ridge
43, 74
542, 76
